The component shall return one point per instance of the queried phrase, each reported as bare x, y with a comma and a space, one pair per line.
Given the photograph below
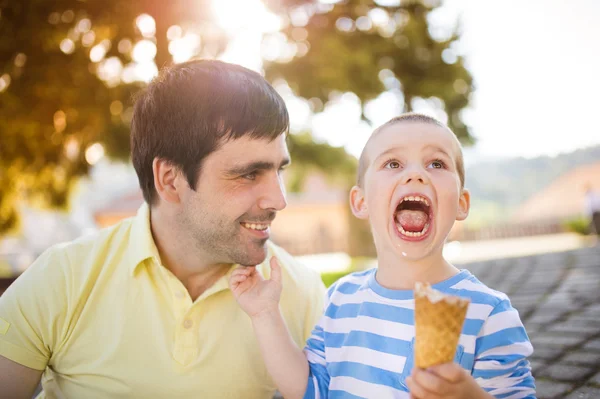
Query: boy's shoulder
352, 282
471, 287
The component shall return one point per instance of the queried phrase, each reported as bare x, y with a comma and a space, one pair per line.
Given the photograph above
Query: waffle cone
438, 323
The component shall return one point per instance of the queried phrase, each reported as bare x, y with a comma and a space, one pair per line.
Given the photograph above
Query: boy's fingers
238, 279
275, 270
241, 270
416, 392
429, 381
450, 372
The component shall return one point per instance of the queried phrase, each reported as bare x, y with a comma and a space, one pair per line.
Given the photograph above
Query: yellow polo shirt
104, 319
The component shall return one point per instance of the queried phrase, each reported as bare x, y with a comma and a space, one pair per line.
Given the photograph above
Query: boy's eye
392, 164
438, 165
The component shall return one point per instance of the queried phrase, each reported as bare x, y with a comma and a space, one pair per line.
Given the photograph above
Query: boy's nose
414, 176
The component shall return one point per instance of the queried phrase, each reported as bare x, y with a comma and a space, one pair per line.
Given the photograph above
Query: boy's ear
464, 204
358, 203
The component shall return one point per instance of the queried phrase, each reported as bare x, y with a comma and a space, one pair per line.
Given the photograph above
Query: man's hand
256, 295
448, 381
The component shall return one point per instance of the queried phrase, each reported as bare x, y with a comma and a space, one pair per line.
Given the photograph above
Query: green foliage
357, 264
579, 225
330, 278
309, 155
348, 53
56, 103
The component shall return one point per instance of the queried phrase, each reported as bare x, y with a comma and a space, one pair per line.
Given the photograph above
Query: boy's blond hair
363, 162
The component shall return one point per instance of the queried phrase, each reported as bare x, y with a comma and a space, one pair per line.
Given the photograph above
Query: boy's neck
402, 274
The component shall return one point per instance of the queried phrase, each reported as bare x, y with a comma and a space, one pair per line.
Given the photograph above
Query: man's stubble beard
220, 240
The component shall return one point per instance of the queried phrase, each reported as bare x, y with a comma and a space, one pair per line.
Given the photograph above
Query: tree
68, 71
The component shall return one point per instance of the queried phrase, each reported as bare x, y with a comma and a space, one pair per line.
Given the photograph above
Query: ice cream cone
438, 323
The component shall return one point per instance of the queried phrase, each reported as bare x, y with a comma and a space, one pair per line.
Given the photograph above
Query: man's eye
250, 176
392, 164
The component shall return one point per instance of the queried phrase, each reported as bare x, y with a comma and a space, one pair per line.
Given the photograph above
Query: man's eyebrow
256, 166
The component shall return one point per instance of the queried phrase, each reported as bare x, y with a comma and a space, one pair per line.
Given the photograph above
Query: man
592, 208
143, 309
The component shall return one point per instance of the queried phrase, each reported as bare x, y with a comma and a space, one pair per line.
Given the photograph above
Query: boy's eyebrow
387, 152
437, 148
256, 166
390, 151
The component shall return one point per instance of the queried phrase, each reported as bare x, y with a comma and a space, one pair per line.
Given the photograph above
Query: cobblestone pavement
558, 298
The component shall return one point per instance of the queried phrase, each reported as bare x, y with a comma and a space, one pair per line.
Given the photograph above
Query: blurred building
543, 213
563, 199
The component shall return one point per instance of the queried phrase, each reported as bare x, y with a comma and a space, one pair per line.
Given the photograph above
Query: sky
535, 63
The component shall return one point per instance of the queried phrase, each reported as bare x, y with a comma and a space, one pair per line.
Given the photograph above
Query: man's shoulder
104, 238
73, 255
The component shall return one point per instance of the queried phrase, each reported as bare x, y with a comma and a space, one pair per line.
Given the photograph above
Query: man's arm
17, 381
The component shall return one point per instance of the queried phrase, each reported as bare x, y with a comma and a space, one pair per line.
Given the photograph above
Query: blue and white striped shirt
362, 346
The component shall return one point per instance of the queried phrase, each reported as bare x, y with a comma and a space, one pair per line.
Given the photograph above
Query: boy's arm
259, 298
285, 362
501, 366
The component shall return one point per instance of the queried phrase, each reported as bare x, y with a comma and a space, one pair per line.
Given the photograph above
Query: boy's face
412, 191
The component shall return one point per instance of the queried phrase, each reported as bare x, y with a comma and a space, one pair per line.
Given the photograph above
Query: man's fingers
450, 372
275, 270
430, 381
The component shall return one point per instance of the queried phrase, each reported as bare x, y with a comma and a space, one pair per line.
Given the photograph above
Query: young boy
411, 189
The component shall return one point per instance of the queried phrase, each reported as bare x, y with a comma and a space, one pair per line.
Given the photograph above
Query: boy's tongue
411, 220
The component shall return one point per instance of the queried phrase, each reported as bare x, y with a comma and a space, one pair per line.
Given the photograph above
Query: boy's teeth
416, 198
412, 233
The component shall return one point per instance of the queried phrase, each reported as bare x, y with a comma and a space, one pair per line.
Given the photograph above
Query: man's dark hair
191, 109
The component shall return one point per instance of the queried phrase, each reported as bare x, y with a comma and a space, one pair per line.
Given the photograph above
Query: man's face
238, 193
412, 191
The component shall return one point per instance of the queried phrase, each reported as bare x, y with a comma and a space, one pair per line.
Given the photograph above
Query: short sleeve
33, 311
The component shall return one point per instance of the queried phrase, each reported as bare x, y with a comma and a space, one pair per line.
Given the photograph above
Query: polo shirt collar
141, 243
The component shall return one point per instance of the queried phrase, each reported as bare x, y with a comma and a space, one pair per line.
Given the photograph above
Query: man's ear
167, 180
358, 203
464, 204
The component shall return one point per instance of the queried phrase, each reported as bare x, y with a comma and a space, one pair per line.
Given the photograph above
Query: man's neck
180, 255
402, 274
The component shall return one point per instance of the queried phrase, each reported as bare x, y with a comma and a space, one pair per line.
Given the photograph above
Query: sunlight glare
236, 15
146, 71
146, 25
144, 51
184, 48
94, 153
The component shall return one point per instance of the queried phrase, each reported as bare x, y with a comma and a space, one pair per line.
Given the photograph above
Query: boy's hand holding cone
439, 320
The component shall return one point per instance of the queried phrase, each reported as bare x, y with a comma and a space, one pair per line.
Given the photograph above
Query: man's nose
273, 197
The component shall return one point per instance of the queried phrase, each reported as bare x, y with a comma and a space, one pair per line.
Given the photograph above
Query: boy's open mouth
413, 216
